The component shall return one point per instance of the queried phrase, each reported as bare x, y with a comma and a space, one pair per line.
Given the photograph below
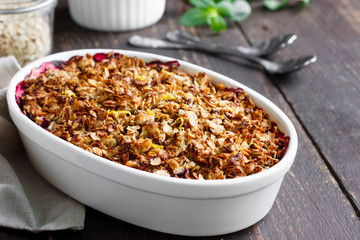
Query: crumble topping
153, 117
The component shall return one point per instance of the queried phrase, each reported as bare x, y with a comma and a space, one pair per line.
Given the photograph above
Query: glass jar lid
23, 6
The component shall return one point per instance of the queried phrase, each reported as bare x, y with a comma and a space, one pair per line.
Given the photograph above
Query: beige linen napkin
27, 201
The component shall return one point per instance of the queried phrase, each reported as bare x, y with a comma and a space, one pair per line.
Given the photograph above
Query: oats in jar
26, 29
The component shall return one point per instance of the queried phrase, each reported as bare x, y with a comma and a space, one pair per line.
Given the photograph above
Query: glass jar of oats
26, 28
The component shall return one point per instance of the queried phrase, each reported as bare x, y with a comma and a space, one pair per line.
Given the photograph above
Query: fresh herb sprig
214, 12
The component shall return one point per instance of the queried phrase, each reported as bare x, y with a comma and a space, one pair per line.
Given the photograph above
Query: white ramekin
171, 205
116, 15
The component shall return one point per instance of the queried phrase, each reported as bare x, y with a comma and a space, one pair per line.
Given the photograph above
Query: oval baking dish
166, 204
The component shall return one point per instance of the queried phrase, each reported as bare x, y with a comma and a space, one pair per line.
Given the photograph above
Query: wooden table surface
320, 195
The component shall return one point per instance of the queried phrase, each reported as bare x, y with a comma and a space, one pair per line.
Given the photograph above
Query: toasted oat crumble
154, 117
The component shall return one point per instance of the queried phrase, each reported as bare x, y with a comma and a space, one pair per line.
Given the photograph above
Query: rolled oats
27, 36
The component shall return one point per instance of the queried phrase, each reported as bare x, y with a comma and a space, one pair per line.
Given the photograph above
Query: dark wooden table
320, 196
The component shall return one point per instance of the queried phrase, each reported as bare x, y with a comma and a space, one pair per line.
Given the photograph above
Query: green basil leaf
194, 17
304, 3
217, 23
235, 11
275, 4
202, 3
217, 1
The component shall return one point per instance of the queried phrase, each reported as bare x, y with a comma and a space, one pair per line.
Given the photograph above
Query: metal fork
264, 48
269, 66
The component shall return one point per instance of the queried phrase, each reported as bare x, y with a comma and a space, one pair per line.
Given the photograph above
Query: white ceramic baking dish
116, 15
178, 206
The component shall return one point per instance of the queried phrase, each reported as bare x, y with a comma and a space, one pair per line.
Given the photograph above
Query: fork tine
298, 63
309, 59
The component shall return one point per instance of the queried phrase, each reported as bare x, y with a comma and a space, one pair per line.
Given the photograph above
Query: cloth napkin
27, 201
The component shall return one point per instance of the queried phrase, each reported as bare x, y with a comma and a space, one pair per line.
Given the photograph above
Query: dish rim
274, 173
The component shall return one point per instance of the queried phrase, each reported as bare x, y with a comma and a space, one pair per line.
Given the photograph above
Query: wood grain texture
325, 96
310, 204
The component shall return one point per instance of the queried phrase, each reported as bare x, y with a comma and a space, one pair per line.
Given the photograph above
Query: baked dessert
152, 116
